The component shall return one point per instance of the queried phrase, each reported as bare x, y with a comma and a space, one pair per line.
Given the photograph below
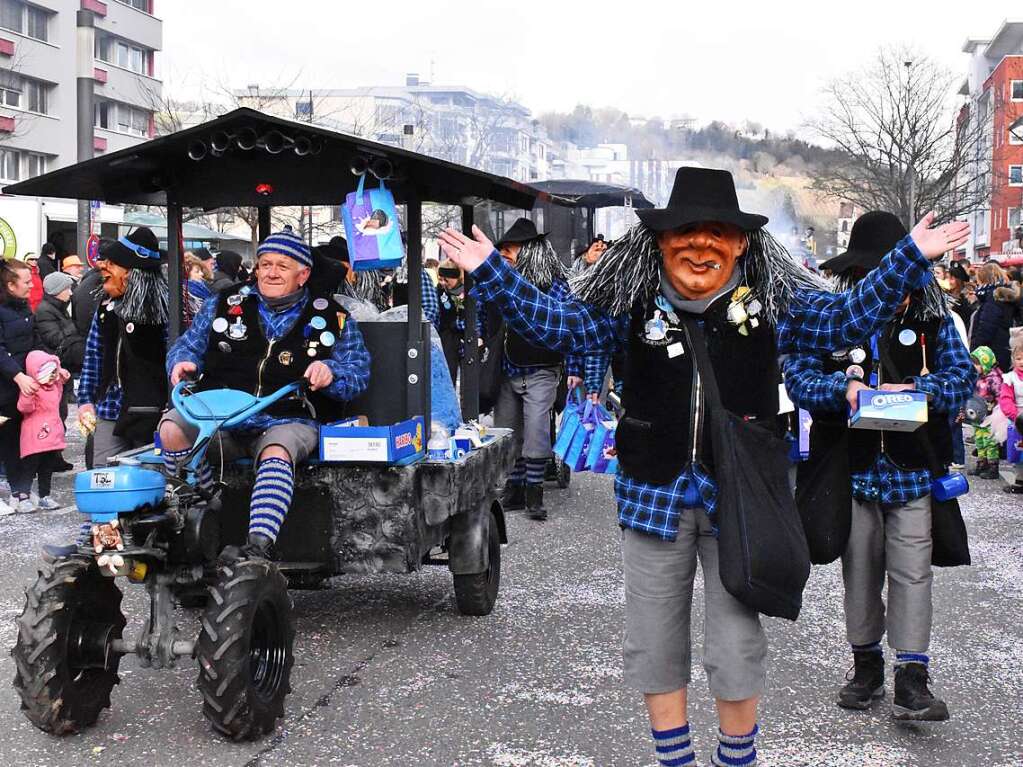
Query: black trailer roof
148, 172
582, 193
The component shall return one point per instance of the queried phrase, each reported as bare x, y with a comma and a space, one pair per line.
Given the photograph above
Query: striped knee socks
271, 497
902, 658
518, 473
535, 470
736, 750
203, 474
674, 748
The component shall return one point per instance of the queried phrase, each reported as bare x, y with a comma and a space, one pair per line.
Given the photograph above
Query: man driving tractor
258, 340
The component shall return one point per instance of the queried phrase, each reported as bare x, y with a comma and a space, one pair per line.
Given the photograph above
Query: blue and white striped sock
171, 459
85, 534
535, 470
518, 473
674, 748
204, 475
902, 658
271, 497
736, 750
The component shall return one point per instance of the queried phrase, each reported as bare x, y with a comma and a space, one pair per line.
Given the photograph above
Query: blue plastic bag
372, 228
578, 457
569, 423
601, 458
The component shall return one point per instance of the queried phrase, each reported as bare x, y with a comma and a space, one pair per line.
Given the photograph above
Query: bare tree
903, 144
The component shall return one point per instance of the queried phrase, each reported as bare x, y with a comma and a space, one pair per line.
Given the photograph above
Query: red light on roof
264, 189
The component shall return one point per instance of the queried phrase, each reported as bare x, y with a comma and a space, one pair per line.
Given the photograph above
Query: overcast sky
714, 59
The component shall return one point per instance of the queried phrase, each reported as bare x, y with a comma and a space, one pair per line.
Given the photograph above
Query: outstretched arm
818, 321
567, 326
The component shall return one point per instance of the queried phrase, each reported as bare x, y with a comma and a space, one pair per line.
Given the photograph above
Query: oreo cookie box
890, 410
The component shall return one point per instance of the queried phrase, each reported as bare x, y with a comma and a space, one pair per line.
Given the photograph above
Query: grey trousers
524, 404
106, 444
659, 579
893, 541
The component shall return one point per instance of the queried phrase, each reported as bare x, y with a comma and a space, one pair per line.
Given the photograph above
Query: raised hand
467, 253
936, 242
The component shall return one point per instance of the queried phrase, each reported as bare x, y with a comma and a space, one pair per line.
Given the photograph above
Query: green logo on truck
8, 241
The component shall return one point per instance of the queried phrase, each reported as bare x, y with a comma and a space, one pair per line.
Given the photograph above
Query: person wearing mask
48, 263
312, 338
17, 337
997, 302
123, 387
701, 258
73, 266
891, 472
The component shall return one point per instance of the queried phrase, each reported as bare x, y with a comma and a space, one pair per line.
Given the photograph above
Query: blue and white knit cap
287, 243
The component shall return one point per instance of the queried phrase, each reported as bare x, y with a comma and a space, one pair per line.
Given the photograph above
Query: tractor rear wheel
245, 650
65, 669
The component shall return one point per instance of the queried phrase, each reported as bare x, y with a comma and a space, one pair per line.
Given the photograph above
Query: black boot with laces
866, 683
913, 700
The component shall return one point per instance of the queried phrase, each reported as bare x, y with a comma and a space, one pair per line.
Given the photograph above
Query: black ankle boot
257, 547
980, 468
913, 700
514, 496
867, 682
990, 471
534, 502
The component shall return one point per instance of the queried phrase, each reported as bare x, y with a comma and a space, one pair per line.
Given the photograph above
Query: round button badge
907, 337
320, 304
857, 355
219, 325
318, 323
327, 338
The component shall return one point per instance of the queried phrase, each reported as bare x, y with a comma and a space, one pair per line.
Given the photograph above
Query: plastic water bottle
439, 446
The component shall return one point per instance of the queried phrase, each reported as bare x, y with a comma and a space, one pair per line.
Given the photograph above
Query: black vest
665, 426
448, 312
133, 358
898, 362
245, 360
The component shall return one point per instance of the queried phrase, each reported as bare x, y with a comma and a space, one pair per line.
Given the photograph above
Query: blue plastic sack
372, 228
578, 456
569, 423
601, 458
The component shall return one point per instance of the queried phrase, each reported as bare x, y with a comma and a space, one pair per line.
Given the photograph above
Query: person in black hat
918, 350
958, 280
701, 259
530, 373
122, 388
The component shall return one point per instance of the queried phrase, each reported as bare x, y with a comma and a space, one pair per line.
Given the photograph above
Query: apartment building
39, 101
994, 90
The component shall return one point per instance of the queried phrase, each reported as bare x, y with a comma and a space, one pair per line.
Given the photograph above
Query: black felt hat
957, 270
136, 250
523, 230
873, 235
701, 194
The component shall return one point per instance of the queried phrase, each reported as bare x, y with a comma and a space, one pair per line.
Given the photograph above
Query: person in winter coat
988, 388
997, 300
48, 263
1010, 402
17, 334
56, 332
35, 295
229, 265
42, 428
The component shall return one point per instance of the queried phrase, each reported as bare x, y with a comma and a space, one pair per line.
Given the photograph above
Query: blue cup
950, 486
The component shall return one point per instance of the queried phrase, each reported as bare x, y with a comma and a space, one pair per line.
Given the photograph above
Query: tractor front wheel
245, 650
65, 668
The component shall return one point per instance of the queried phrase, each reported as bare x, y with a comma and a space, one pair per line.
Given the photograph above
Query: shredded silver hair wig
145, 298
629, 272
539, 264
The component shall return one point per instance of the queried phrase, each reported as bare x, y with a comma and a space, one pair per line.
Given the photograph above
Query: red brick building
994, 85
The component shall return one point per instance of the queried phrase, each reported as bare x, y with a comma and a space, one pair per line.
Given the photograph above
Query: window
120, 53
35, 22
10, 162
35, 92
103, 119
10, 89
122, 118
23, 19
1016, 90
303, 109
36, 164
1016, 136
1016, 175
141, 5
1013, 218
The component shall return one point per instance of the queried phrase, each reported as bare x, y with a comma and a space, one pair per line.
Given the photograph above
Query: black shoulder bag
763, 560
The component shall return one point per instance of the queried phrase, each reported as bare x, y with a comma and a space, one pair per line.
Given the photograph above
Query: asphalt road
388, 673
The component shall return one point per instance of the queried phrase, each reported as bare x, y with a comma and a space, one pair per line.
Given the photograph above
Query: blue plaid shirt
817, 321
947, 388
108, 408
428, 296
573, 362
349, 358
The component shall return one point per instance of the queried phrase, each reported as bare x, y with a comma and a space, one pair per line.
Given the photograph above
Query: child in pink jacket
42, 430
1010, 400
